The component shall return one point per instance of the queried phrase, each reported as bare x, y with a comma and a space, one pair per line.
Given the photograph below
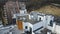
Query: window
51, 23
39, 19
26, 27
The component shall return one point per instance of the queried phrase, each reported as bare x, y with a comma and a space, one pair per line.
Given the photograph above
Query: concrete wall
57, 29
37, 25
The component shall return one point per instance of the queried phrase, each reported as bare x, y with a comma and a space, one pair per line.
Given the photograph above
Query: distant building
10, 8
